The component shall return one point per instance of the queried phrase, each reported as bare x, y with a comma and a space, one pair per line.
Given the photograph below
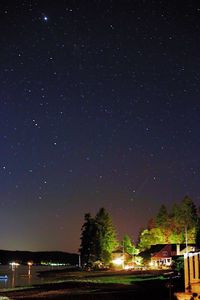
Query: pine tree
185, 218
188, 212
88, 241
106, 236
176, 227
162, 223
98, 238
162, 217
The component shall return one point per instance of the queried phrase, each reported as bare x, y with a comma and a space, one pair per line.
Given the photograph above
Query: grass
125, 279
96, 285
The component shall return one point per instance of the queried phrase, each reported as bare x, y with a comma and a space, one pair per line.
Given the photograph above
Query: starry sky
99, 106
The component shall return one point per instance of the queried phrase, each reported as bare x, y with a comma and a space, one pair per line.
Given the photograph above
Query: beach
98, 285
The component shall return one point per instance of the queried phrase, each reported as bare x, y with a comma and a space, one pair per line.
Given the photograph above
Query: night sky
99, 106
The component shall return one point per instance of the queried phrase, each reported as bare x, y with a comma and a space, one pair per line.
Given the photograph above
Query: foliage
129, 246
162, 217
151, 237
171, 227
98, 238
178, 265
88, 243
106, 236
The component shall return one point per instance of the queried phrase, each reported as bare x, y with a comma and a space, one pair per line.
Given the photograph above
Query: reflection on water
22, 275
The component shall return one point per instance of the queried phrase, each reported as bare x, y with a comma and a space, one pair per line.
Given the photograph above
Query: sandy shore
152, 289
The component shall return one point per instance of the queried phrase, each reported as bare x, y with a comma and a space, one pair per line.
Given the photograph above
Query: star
45, 18
115, 114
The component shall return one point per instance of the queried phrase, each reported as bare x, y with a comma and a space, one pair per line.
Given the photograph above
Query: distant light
56, 264
14, 264
53, 264
45, 18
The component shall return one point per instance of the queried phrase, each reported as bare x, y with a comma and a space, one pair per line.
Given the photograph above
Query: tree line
99, 238
173, 227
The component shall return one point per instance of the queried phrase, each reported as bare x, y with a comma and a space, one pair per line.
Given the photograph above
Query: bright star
45, 18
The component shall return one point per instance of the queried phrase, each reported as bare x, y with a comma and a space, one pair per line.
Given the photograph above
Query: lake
23, 275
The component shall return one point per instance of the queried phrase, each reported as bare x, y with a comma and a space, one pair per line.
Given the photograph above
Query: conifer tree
106, 235
162, 217
88, 241
98, 238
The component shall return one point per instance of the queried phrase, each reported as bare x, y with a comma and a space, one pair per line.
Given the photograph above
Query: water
22, 275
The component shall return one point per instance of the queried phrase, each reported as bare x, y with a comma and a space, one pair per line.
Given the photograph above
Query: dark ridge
7, 256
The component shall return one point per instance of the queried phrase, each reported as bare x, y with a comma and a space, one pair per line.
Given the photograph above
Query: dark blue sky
99, 106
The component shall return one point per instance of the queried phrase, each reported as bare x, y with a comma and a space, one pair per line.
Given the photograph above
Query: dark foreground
85, 289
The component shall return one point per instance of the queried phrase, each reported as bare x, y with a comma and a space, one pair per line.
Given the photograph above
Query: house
161, 255
163, 258
120, 258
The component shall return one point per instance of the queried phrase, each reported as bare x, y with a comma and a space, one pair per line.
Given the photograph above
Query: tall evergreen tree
88, 241
184, 219
106, 235
98, 238
162, 217
176, 227
188, 211
162, 223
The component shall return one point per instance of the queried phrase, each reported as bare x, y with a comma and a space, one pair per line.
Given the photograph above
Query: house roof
121, 251
118, 251
154, 249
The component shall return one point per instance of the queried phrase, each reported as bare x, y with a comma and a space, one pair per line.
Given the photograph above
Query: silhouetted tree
88, 241
98, 238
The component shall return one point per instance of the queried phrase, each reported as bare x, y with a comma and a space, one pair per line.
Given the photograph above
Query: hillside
7, 256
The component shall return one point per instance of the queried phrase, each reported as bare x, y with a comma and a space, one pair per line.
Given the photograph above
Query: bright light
14, 264
118, 261
128, 267
29, 263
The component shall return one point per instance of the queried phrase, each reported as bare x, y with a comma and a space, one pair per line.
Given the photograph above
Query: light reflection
29, 268
14, 265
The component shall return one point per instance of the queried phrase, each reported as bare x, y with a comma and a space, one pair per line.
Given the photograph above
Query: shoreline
86, 286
